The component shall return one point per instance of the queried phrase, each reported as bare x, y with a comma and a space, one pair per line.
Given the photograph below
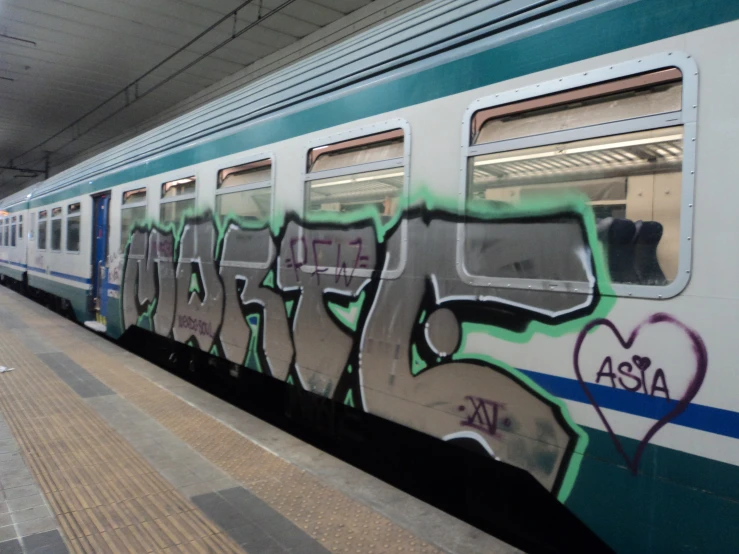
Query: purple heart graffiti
637, 382
642, 362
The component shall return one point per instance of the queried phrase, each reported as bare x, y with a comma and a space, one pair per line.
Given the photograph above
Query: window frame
141, 204
45, 220
393, 163
52, 218
687, 117
253, 186
176, 177
13, 230
78, 215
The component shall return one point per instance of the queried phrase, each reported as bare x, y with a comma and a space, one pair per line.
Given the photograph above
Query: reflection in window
356, 173
56, 229
381, 189
132, 197
653, 93
133, 210
245, 191
42, 227
73, 227
178, 197
632, 181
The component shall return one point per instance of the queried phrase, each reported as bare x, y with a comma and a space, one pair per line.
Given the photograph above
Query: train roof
392, 46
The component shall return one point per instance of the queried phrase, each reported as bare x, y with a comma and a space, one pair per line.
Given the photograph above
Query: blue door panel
100, 252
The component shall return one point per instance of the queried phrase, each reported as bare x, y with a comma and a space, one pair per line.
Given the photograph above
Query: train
495, 223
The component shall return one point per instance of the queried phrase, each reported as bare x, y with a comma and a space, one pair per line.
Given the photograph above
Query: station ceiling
61, 60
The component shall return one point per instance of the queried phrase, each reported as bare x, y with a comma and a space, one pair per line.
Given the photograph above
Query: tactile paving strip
105, 496
338, 522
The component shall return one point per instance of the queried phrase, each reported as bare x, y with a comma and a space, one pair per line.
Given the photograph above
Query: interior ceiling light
359, 180
376, 177
332, 183
581, 149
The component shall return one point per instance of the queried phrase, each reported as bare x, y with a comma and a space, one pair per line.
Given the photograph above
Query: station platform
102, 451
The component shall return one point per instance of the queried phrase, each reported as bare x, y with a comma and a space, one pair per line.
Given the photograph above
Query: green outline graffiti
342, 313
353, 313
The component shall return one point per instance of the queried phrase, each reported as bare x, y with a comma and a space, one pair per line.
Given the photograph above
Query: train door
100, 229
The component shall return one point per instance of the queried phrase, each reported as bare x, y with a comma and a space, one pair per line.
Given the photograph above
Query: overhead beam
13, 168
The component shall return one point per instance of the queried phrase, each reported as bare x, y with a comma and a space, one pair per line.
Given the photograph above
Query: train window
12, 231
5, 231
56, 229
652, 93
32, 226
178, 197
133, 210
20, 226
73, 227
42, 228
616, 145
245, 191
356, 173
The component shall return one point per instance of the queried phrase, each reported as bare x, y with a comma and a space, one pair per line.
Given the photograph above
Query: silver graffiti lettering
314, 301
199, 288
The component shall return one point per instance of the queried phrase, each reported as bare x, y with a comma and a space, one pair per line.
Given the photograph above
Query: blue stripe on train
61, 275
70, 277
695, 416
17, 264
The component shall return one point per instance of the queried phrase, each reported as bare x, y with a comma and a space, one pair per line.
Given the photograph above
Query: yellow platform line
104, 495
337, 521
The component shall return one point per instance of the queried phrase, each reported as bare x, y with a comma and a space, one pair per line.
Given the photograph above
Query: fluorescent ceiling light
519, 158
636, 142
376, 177
332, 183
358, 180
580, 150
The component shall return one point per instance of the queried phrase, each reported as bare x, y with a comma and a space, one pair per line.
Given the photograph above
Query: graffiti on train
669, 377
114, 263
484, 415
376, 314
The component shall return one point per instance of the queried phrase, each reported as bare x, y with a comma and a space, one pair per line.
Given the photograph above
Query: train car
497, 223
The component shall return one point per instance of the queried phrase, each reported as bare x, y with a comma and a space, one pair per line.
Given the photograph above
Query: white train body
618, 397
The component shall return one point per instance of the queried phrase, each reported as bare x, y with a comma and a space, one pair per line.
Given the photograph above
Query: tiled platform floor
101, 451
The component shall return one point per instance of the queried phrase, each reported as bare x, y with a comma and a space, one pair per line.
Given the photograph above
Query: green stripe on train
12, 272
655, 512
624, 27
114, 325
76, 296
